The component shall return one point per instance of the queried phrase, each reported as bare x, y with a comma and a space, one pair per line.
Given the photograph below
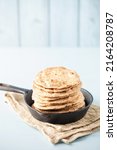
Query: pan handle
11, 88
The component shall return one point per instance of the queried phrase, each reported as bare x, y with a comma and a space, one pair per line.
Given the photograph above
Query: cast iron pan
54, 118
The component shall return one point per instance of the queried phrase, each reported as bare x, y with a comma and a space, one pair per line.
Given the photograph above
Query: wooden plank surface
49, 23
64, 23
33, 22
8, 23
89, 23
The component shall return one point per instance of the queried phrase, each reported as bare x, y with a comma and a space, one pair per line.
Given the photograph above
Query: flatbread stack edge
57, 89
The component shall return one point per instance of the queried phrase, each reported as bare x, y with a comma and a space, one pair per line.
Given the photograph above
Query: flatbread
55, 90
63, 110
70, 99
57, 78
53, 95
78, 101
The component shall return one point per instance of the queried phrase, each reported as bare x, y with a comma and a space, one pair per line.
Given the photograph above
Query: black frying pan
53, 117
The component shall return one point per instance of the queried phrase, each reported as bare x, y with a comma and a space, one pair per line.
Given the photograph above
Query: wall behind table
59, 23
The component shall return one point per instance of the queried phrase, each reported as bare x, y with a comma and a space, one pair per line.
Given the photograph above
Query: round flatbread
79, 100
53, 90
57, 78
67, 110
58, 101
54, 95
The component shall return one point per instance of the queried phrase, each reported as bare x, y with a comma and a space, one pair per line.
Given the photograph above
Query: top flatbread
57, 78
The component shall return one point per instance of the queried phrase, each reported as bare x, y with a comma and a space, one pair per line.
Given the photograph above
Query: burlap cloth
55, 133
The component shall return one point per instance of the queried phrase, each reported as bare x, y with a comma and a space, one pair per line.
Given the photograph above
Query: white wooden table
19, 67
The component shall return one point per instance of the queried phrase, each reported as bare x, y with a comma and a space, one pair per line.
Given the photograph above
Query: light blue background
48, 23
18, 67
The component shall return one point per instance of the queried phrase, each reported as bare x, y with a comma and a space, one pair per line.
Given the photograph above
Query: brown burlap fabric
55, 133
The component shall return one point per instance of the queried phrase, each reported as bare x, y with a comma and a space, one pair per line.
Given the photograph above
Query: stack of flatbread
57, 89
